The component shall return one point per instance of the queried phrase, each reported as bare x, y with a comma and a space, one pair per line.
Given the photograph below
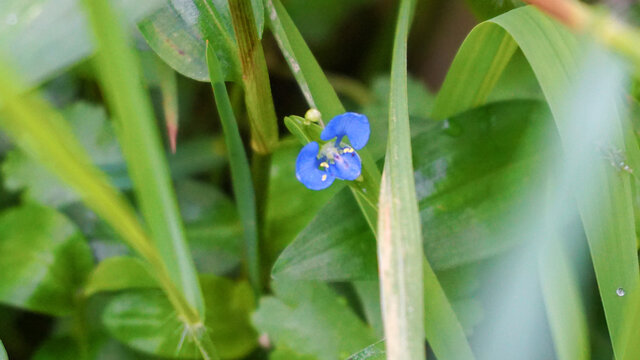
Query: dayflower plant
317, 166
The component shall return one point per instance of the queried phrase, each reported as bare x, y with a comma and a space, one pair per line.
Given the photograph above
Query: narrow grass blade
399, 230
3, 353
240, 171
565, 309
604, 202
120, 74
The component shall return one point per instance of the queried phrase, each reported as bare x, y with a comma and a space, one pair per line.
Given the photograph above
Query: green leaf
145, 320
399, 235
43, 37
44, 260
467, 188
555, 55
177, 32
119, 273
119, 70
372, 352
284, 353
310, 319
3, 353
99, 346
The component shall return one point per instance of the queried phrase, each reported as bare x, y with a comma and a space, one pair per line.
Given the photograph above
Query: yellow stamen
324, 177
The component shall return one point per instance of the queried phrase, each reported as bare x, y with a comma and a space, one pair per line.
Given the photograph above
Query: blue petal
347, 165
307, 170
355, 126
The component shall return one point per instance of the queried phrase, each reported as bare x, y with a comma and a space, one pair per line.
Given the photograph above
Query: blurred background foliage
323, 306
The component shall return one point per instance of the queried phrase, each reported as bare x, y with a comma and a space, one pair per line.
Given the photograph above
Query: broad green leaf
43, 37
284, 353
372, 352
555, 55
467, 189
120, 75
177, 32
98, 346
240, 172
119, 273
399, 235
310, 319
44, 260
146, 321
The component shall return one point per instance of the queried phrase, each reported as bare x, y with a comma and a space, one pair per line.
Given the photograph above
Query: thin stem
259, 102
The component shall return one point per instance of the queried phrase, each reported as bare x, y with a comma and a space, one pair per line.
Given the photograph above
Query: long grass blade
399, 230
139, 137
240, 171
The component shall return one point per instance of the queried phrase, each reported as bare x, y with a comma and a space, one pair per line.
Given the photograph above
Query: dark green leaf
44, 260
146, 321
310, 319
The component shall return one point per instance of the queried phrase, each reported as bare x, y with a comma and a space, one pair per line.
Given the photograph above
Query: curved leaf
557, 59
44, 260
119, 273
311, 319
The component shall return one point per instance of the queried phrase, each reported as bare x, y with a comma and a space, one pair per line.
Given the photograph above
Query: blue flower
318, 166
